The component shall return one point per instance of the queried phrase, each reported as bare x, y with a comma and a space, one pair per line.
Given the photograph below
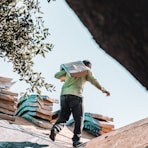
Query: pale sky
72, 41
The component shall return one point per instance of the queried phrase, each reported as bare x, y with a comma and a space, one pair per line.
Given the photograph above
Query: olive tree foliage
23, 37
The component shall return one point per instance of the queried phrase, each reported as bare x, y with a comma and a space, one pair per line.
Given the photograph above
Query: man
71, 101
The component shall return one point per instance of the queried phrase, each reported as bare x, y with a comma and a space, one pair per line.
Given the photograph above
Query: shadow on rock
21, 145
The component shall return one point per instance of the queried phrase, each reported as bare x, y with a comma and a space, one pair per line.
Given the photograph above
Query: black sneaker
77, 144
52, 135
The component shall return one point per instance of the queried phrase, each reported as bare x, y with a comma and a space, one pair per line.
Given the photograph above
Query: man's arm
60, 74
95, 82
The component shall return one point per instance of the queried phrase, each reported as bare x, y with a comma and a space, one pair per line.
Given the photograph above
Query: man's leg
77, 111
63, 117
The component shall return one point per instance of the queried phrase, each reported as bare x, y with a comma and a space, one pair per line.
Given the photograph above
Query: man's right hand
107, 93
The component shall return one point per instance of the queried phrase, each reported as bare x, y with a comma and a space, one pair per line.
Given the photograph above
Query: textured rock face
131, 136
121, 29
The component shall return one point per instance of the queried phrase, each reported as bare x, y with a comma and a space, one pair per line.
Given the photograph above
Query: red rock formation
121, 29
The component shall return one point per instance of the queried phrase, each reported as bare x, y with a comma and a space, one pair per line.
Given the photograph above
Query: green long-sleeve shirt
75, 85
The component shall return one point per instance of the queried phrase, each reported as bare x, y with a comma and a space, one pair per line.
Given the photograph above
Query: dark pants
71, 104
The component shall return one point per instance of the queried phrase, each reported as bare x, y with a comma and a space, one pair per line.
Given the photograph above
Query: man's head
87, 63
